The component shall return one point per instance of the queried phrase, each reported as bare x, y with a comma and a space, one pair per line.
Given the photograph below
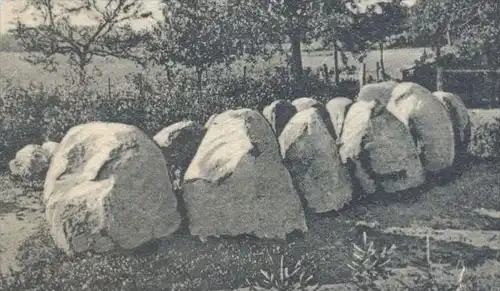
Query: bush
485, 134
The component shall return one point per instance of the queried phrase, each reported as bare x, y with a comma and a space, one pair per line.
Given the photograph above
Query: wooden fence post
336, 64
362, 75
109, 88
378, 72
327, 74
439, 70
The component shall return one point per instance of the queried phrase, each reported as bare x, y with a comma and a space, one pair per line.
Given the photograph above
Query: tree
295, 22
336, 23
199, 34
479, 32
383, 21
108, 35
474, 26
376, 23
431, 21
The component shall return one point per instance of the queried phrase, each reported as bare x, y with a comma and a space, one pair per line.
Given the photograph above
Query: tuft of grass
369, 264
428, 280
283, 278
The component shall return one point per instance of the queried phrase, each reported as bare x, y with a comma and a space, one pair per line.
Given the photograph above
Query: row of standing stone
246, 172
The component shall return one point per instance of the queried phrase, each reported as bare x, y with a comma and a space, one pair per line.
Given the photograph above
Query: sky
9, 8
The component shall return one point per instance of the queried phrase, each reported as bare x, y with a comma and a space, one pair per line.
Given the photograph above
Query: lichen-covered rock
107, 188
337, 109
485, 133
378, 91
429, 123
380, 148
179, 143
459, 116
50, 148
278, 113
237, 183
30, 163
304, 103
312, 157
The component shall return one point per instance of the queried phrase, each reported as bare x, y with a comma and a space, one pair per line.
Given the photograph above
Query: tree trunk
362, 75
82, 75
439, 69
199, 75
296, 62
448, 34
378, 71
382, 67
336, 64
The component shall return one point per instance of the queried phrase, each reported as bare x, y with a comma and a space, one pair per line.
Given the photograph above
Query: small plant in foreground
284, 279
426, 280
369, 264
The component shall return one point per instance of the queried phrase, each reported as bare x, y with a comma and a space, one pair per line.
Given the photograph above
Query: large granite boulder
459, 116
237, 183
380, 149
278, 113
179, 143
377, 91
429, 122
304, 103
107, 188
337, 109
312, 156
30, 164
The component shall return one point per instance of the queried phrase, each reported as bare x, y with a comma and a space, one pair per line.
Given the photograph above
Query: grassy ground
227, 262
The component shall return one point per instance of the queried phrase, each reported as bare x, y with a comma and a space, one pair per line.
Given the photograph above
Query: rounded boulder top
429, 122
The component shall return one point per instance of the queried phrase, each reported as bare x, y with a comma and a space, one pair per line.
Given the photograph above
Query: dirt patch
21, 215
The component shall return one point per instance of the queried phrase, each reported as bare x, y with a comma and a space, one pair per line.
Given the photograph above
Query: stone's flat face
30, 163
380, 148
337, 110
394, 158
356, 126
311, 154
107, 188
237, 183
378, 91
429, 122
304, 103
278, 113
459, 116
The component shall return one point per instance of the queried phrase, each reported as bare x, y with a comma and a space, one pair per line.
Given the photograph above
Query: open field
226, 263
20, 72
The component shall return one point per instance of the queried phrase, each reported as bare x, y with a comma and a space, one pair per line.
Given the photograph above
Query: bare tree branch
55, 34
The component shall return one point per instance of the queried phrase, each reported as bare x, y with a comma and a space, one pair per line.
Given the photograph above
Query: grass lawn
226, 262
